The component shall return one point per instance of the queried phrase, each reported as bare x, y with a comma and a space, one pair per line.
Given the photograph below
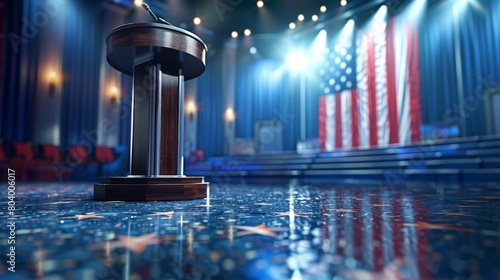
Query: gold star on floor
88, 216
428, 226
340, 210
168, 214
138, 244
296, 214
261, 229
461, 213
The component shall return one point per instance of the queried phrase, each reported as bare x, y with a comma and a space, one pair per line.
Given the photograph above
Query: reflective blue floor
248, 231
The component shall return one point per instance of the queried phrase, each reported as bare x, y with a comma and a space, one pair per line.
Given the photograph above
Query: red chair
104, 154
79, 154
23, 160
23, 151
51, 153
58, 169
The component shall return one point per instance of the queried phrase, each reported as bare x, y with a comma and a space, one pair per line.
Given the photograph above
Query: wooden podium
160, 58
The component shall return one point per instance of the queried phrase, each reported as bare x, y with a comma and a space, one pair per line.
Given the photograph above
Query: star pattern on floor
168, 214
138, 244
261, 229
287, 214
88, 216
461, 213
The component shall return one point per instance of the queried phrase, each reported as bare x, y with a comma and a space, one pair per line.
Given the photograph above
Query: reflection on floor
247, 231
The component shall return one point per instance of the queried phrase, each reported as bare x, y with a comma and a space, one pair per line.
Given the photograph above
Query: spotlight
138, 3
297, 61
234, 34
260, 3
314, 17
322, 9
253, 50
300, 17
247, 32
343, 2
197, 21
292, 25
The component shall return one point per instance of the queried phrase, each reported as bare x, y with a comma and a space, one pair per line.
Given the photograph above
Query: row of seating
48, 162
454, 160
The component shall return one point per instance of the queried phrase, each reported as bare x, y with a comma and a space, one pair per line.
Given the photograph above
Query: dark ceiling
221, 17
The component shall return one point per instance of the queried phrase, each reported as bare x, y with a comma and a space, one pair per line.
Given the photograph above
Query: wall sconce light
52, 83
229, 116
190, 110
114, 94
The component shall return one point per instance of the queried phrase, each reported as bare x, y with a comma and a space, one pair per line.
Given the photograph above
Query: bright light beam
319, 44
297, 61
347, 32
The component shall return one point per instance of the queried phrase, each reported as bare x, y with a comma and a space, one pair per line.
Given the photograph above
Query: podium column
159, 57
157, 122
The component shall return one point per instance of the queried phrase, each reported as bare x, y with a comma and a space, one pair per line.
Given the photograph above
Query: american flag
372, 87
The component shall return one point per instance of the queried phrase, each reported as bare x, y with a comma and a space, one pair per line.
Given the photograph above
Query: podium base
150, 188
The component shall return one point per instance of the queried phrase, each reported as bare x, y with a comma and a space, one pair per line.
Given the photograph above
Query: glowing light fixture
314, 17
191, 109
52, 79
260, 4
138, 3
297, 61
113, 95
247, 32
300, 17
197, 20
292, 25
343, 3
234, 34
322, 8
229, 116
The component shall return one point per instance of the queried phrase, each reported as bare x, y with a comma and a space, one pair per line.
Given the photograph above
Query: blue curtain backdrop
81, 64
479, 39
20, 61
210, 111
262, 94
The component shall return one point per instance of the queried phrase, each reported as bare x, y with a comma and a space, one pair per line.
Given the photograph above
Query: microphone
157, 19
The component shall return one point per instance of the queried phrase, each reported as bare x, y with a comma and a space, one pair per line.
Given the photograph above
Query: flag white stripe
402, 84
346, 119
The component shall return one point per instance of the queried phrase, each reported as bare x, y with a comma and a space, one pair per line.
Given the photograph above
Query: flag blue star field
339, 65
371, 83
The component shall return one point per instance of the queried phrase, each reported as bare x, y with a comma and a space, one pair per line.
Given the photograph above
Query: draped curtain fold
210, 112
265, 90
81, 63
20, 60
479, 38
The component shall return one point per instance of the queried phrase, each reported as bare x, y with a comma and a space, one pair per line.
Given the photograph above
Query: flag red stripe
322, 122
414, 84
354, 118
372, 93
338, 121
391, 86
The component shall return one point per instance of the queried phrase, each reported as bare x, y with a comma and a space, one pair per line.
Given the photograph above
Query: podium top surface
174, 48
